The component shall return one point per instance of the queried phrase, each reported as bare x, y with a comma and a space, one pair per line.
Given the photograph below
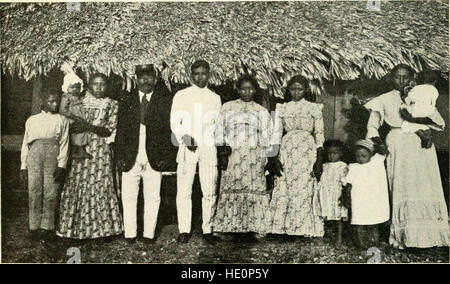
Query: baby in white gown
421, 103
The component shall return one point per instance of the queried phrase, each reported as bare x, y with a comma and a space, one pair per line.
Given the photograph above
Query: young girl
44, 158
421, 103
330, 186
366, 180
72, 108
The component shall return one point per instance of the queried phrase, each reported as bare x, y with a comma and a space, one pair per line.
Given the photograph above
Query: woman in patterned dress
89, 205
291, 207
243, 199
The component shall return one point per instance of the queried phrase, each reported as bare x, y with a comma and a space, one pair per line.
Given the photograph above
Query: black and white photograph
225, 132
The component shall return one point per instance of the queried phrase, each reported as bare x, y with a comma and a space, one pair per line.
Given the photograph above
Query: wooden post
36, 99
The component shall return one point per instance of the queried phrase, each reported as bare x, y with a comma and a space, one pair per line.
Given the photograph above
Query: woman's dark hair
408, 68
247, 78
303, 81
98, 75
200, 63
257, 97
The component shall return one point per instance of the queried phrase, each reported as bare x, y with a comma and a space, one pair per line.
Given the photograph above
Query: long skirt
292, 209
419, 213
243, 199
89, 206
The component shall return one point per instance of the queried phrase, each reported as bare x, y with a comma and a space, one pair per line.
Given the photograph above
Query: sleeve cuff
62, 165
372, 133
111, 138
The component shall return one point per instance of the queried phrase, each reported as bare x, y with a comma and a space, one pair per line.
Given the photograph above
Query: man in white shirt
194, 115
137, 156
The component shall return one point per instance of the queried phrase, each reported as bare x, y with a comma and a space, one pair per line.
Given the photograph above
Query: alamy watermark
232, 128
374, 5
73, 6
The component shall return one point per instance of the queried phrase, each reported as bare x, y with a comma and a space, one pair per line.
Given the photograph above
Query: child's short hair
200, 63
427, 77
334, 143
45, 93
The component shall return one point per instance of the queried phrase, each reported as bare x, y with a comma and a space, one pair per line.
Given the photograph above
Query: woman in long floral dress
298, 163
89, 206
243, 199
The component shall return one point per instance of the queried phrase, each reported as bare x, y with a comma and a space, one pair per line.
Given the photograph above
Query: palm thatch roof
274, 40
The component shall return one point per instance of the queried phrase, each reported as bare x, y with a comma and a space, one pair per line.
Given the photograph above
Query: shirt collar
197, 88
43, 112
147, 96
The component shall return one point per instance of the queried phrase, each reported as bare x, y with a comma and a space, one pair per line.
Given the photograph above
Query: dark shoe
148, 241
108, 239
209, 239
183, 238
130, 241
49, 236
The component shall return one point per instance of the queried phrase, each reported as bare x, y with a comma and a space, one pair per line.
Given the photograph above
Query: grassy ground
16, 247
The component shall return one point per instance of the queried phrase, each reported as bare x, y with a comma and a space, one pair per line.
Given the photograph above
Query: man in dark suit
144, 149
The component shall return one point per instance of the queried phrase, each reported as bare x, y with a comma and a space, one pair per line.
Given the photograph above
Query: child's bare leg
425, 137
375, 235
360, 236
340, 226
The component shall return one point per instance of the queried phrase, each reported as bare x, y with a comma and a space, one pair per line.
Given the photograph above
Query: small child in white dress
367, 182
420, 103
330, 186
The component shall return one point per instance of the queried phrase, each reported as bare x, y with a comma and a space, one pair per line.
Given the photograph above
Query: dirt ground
17, 248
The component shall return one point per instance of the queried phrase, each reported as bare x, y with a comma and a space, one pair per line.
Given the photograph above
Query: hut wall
16, 97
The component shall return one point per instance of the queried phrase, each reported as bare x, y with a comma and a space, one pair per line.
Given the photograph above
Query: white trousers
185, 180
130, 191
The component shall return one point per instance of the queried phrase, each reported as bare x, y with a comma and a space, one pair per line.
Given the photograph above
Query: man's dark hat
145, 69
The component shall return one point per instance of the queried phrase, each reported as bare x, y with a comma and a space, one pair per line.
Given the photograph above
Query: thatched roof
321, 40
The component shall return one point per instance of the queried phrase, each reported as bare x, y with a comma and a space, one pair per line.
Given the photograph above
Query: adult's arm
121, 135
274, 165
24, 152
435, 120
376, 117
64, 145
419, 120
319, 138
109, 131
79, 127
159, 123
64, 105
180, 123
177, 115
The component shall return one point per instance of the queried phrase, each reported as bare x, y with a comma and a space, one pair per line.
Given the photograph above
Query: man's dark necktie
144, 104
